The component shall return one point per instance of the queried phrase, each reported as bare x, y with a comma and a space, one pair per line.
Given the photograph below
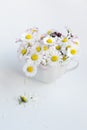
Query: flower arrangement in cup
46, 50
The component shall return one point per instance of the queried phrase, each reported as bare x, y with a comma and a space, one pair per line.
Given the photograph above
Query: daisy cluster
45, 50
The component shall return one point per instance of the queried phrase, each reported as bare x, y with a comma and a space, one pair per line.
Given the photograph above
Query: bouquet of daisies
45, 50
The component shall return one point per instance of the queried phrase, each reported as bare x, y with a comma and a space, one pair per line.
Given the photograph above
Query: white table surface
61, 105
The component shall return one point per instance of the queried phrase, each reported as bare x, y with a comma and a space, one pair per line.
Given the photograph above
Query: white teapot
51, 73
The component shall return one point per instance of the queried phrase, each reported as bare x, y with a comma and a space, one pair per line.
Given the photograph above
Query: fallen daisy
22, 99
26, 99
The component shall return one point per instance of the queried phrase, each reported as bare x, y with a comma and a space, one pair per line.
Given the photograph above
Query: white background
61, 105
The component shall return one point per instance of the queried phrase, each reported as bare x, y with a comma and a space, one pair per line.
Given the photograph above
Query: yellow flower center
34, 57
54, 58
68, 46
45, 48
65, 40
28, 36
34, 30
76, 43
49, 32
64, 58
73, 51
23, 99
49, 40
58, 47
38, 48
23, 51
30, 69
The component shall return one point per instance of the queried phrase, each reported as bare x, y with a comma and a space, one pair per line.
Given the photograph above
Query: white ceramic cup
51, 73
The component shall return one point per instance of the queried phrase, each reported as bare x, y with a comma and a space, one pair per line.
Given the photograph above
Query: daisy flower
64, 40
49, 40
35, 58
30, 35
22, 52
65, 46
37, 47
54, 58
65, 59
51, 31
45, 55
75, 41
45, 48
34, 30
54, 49
58, 47
44, 59
29, 69
71, 52
26, 44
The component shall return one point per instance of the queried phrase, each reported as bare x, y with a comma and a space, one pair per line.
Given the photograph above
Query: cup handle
76, 62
